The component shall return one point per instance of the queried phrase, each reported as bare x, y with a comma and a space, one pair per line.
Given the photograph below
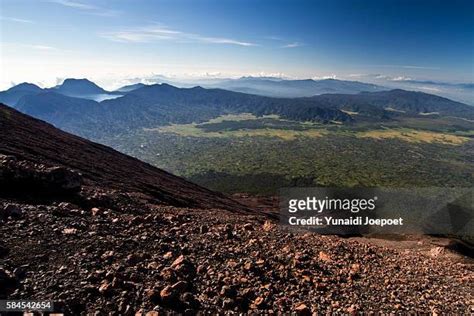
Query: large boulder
26, 177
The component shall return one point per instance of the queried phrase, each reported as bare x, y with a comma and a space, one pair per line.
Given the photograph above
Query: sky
112, 42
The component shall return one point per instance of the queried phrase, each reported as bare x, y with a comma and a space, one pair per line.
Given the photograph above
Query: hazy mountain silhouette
131, 87
15, 93
295, 88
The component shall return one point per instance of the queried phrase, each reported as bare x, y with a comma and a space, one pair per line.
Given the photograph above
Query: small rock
437, 251
167, 274
201, 269
268, 226
190, 299
167, 294
324, 257
153, 265
133, 258
259, 302
105, 288
352, 309
228, 303
180, 287
152, 294
248, 226
248, 266
302, 309
355, 267
228, 291
70, 231
107, 255
95, 211
178, 261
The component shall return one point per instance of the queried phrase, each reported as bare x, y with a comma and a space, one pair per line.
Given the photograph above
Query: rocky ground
158, 258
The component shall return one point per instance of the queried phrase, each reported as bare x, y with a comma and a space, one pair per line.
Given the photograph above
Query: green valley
245, 153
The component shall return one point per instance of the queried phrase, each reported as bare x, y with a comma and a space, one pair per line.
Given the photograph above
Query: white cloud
89, 8
153, 33
18, 20
332, 76
292, 45
264, 74
399, 78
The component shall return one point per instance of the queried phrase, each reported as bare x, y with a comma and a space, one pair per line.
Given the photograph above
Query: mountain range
80, 88
265, 86
69, 107
281, 88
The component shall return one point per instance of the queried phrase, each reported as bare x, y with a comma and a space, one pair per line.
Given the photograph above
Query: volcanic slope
36, 141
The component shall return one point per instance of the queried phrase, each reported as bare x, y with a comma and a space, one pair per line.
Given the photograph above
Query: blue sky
43, 41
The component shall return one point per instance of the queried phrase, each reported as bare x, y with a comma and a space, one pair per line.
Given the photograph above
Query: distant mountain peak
76, 87
67, 80
131, 87
160, 87
198, 88
25, 86
15, 93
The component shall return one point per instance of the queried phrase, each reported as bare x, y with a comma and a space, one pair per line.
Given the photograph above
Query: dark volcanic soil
178, 259
113, 241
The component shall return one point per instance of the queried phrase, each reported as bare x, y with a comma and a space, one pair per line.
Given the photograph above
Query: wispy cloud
220, 40
407, 67
73, 4
292, 45
88, 8
419, 67
284, 43
18, 20
42, 47
38, 47
159, 33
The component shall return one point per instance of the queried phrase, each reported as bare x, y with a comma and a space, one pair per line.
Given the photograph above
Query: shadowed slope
34, 140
